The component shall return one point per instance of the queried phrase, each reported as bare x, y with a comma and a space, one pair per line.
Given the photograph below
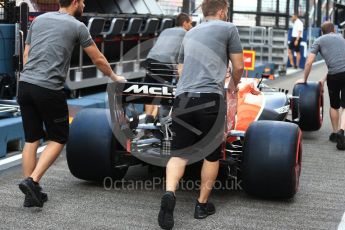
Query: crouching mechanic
199, 107
163, 57
48, 50
332, 48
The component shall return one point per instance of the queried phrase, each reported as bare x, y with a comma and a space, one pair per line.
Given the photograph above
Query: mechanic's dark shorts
292, 45
160, 72
336, 90
43, 106
198, 124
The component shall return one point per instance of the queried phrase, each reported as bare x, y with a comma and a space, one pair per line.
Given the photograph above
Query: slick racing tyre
272, 158
91, 149
308, 107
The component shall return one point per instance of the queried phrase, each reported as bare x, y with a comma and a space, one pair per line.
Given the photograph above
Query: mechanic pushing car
164, 55
199, 107
332, 48
47, 55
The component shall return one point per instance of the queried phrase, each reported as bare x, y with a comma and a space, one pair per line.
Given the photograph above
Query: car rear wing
142, 93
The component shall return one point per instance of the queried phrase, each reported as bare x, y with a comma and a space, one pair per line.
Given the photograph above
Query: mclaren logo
153, 90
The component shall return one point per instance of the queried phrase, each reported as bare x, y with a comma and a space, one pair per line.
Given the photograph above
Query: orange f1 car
262, 147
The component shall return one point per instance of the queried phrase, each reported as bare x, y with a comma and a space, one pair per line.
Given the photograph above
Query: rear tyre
309, 107
92, 147
272, 157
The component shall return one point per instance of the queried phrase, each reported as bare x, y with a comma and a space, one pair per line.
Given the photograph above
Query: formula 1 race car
262, 147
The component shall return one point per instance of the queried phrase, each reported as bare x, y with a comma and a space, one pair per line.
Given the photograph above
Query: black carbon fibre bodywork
276, 106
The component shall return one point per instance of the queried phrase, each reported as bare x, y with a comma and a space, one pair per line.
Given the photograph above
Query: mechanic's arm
180, 69
28, 43
101, 62
308, 65
237, 67
323, 80
26, 54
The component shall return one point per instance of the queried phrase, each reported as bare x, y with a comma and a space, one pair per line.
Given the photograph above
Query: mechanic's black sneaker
204, 210
333, 137
33, 190
340, 140
166, 213
28, 202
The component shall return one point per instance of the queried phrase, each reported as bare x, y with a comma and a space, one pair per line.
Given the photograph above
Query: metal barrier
165, 24
257, 40
133, 29
150, 29
95, 27
2, 11
9, 108
270, 44
11, 128
117, 30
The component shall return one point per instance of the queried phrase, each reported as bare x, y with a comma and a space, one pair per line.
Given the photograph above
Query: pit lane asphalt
75, 204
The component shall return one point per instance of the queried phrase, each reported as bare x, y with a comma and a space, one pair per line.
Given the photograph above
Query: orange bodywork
245, 107
249, 107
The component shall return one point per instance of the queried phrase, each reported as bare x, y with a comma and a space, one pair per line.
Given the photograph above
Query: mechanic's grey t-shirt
52, 37
332, 48
168, 45
205, 55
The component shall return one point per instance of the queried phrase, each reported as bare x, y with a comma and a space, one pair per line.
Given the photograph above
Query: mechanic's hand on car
300, 81
117, 78
232, 88
322, 82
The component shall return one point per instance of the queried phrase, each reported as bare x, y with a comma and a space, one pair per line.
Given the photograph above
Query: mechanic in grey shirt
332, 48
161, 62
198, 117
168, 44
47, 55
206, 57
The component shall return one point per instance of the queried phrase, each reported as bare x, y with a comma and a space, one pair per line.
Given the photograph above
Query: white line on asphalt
342, 223
16, 160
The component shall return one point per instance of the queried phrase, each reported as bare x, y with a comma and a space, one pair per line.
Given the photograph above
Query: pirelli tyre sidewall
272, 157
92, 147
308, 108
